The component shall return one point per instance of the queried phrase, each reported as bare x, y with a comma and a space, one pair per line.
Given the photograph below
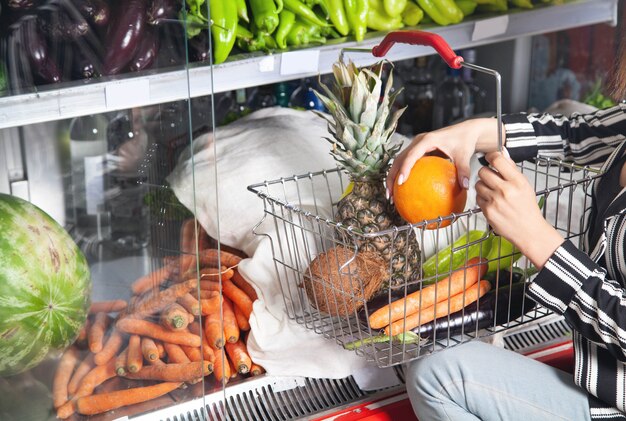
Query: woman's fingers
502, 163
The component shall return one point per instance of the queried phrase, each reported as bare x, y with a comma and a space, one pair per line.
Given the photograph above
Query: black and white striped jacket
572, 282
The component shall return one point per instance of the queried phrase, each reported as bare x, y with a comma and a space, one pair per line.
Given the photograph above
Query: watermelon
45, 286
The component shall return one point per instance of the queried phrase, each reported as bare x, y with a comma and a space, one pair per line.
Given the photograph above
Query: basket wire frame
300, 222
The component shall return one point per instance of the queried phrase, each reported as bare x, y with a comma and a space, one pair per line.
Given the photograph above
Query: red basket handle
419, 38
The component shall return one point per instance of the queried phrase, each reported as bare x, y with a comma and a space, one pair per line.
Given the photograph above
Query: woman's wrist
540, 243
486, 133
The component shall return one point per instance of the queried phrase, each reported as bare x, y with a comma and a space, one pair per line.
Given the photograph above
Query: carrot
218, 258
155, 331
210, 286
81, 339
244, 285
67, 364
112, 306
152, 280
428, 296
231, 328
111, 347
121, 361
221, 367
175, 354
443, 308
104, 402
158, 361
96, 332
158, 301
207, 351
211, 305
188, 243
214, 331
174, 317
190, 303
134, 359
238, 297
256, 370
242, 322
83, 368
94, 378
194, 328
179, 372
231, 366
161, 349
238, 354
192, 352
149, 349
206, 294
66, 410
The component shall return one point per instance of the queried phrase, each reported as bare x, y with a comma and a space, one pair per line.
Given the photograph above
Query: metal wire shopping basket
300, 221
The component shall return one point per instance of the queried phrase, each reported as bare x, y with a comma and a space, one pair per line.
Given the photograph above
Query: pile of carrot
450, 294
184, 321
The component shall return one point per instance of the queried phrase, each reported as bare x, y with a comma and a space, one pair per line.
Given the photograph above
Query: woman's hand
510, 205
458, 142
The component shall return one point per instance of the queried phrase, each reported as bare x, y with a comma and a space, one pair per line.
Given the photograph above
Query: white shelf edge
195, 81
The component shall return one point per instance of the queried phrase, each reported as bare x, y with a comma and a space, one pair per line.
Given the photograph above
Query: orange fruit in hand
430, 191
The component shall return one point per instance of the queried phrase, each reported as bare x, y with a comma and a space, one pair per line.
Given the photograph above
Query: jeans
478, 381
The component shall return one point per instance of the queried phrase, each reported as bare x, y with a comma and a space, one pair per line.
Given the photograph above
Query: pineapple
362, 123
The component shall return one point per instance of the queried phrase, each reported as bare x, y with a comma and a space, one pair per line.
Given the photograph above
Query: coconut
339, 283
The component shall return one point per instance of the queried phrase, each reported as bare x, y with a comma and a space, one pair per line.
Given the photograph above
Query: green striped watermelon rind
45, 286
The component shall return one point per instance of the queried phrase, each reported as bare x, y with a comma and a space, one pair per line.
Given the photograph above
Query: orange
430, 191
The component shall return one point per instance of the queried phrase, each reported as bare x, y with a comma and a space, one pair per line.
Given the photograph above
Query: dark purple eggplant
97, 12
498, 306
199, 47
123, 35
147, 51
23, 4
55, 21
161, 10
43, 65
172, 46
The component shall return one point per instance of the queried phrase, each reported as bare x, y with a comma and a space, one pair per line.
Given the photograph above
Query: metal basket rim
255, 188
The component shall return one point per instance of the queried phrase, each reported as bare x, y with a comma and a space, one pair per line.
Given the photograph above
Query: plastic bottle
419, 95
304, 98
451, 100
88, 147
478, 96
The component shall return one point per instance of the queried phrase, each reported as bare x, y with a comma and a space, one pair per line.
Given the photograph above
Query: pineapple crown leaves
361, 122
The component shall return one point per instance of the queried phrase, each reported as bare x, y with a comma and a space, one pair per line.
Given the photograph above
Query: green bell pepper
265, 14
287, 20
448, 260
412, 14
379, 20
394, 8
224, 16
356, 12
304, 12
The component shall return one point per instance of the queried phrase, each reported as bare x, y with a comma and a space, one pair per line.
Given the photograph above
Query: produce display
45, 286
165, 337
83, 39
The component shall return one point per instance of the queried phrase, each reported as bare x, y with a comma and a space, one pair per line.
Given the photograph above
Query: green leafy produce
596, 98
45, 286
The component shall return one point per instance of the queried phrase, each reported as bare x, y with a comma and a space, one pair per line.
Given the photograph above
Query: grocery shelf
82, 98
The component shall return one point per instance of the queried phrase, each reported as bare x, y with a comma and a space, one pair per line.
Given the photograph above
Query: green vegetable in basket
494, 6
304, 12
524, 4
394, 8
304, 33
406, 338
446, 260
287, 20
265, 14
337, 14
432, 11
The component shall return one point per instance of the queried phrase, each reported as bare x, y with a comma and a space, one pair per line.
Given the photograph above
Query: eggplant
498, 306
123, 35
97, 12
147, 51
162, 10
19, 72
199, 47
23, 4
56, 21
43, 65
172, 46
